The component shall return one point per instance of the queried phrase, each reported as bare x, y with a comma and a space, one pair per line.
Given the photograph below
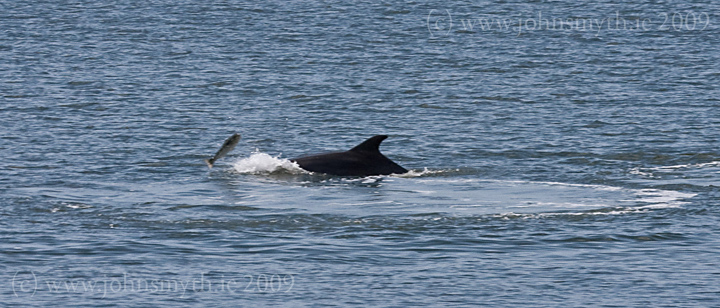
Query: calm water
561, 154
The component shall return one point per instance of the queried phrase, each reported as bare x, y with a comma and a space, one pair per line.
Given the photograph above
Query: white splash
259, 163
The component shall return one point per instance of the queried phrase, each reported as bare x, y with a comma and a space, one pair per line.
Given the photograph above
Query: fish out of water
227, 146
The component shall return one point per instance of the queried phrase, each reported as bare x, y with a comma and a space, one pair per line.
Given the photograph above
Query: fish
227, 146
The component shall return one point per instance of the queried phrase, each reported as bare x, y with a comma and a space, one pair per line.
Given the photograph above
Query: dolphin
227, 146
363, 160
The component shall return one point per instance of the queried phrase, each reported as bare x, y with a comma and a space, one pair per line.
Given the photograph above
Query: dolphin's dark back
363, 160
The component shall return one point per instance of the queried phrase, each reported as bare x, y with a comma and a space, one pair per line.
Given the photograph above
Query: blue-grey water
561, 153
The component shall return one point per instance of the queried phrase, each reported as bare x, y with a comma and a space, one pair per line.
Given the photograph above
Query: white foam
663, 198
259, 163
424, 172
641, 172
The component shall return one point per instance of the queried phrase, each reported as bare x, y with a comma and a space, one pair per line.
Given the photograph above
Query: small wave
691, 166
263, 163
698, 174
650, 170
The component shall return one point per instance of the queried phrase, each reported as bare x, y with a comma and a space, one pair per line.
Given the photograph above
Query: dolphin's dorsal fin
372, 145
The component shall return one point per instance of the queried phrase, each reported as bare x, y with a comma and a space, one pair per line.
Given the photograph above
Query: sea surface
561, 153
